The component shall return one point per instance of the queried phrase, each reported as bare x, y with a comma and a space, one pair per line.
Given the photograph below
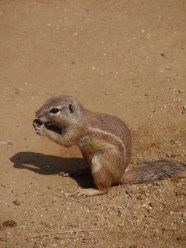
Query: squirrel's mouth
44, 121
49, 126
48, 123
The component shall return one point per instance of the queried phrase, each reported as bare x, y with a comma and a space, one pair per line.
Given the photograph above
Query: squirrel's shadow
51, 165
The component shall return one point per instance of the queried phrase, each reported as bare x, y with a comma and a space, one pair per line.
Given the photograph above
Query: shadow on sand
51, 165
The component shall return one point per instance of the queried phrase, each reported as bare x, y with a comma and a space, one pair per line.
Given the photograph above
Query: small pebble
2, 142
17, 203
180, 91
168, 68
57, 237
17, 91
174, 142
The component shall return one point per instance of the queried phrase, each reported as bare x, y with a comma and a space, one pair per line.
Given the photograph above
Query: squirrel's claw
39, 127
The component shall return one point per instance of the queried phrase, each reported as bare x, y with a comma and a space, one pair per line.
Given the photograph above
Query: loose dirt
125, 58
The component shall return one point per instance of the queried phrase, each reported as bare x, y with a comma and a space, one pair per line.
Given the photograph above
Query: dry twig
64, 232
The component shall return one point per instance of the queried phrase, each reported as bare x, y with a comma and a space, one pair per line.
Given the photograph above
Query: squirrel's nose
39, 114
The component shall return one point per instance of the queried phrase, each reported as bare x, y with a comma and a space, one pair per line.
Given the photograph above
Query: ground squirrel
104, 141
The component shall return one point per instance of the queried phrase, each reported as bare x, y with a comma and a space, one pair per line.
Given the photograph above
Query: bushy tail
152, 171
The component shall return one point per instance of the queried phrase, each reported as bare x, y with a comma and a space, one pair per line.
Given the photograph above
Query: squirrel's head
61, 111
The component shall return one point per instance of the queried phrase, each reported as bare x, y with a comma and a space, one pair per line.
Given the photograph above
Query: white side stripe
97, 130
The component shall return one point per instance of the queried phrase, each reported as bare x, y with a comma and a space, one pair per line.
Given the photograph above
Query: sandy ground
125, 58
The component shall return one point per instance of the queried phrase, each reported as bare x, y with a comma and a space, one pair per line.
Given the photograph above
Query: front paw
39, 127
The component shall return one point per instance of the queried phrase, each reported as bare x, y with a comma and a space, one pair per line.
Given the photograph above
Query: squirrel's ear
71, 108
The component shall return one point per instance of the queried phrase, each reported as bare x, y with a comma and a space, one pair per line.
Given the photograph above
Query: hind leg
103, 168
102, 177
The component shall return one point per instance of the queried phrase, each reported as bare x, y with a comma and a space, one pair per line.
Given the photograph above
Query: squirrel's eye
54, 110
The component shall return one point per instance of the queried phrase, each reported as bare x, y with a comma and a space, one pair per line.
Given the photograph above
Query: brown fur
105, 143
